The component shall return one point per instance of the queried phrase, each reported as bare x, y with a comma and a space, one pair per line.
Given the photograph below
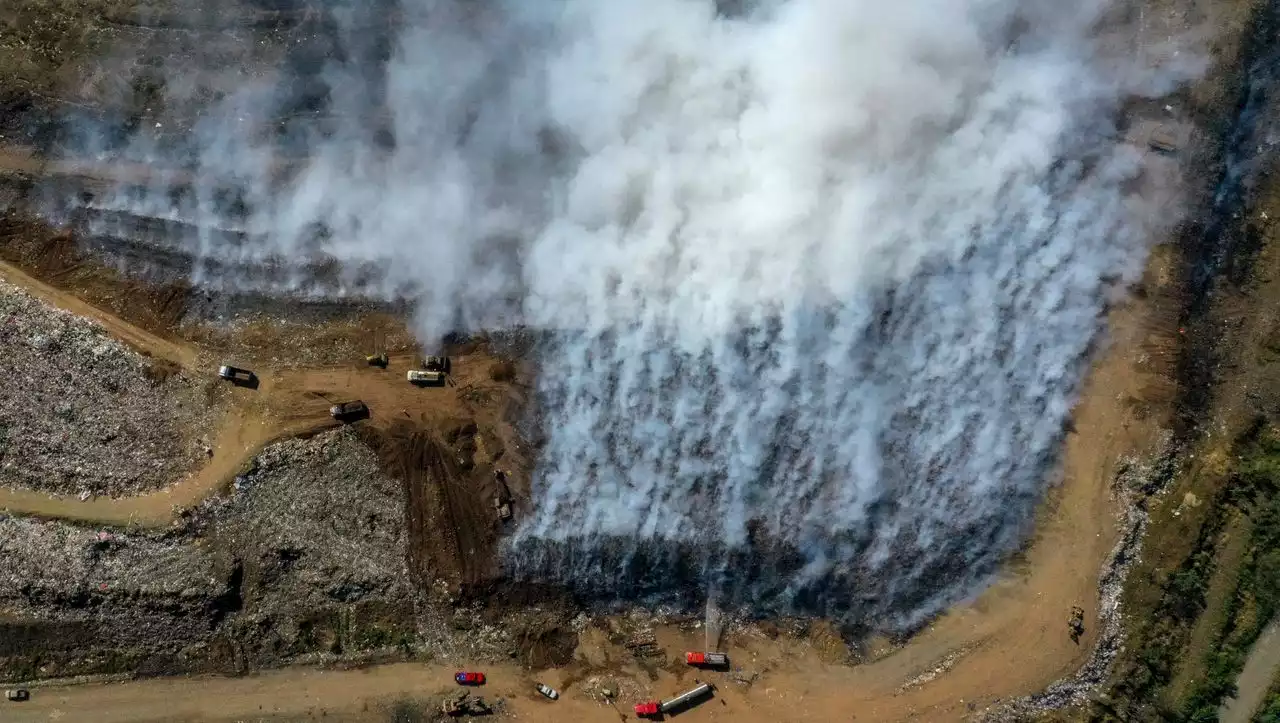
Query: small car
348, 410
17, 695
547, 690
465, 678
648, 708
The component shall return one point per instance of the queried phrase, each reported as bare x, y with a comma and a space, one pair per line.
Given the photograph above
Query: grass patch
1140, 689
1257, 594
1269, 712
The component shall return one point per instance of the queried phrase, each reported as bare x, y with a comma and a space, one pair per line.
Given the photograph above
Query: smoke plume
817, 277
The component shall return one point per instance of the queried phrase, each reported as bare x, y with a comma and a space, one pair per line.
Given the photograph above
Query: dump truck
707, 660
17, 695
436, 364
501, 508
378, 360
236, 375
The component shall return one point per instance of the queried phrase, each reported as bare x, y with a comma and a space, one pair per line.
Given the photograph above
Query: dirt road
286, 403
972, 656
141, 340
980, 649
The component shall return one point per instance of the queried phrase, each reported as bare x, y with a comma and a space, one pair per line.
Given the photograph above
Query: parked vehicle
548, 691
1163, 140
502, 508
17, 695
648, 709
436, 364
235, 374
417, 376
349, 410
466, 678
707, 660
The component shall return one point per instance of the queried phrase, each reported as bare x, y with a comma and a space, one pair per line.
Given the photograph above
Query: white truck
547, 690
420, 376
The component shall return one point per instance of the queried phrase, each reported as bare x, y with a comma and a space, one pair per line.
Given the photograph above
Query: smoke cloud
818, 277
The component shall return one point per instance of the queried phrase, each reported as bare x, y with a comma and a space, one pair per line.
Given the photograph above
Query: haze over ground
820, 276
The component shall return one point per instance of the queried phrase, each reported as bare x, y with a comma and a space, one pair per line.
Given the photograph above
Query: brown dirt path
287, 403
1011, 641
143, 341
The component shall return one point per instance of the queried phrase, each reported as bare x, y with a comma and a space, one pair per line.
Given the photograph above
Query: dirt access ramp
140, 340
286, 403
245, 430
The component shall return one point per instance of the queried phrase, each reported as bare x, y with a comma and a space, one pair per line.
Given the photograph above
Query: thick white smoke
820, 274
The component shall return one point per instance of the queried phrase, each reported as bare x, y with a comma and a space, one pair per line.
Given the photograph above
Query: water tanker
686, 698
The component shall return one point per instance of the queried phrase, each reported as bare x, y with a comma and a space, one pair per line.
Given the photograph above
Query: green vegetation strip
1253, 490
1270, 710
1257, 594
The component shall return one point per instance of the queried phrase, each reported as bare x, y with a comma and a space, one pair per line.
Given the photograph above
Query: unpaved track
287, 403
1012, 641
143, 341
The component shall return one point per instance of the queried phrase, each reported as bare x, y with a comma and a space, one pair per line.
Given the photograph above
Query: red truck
707, 660
653, 708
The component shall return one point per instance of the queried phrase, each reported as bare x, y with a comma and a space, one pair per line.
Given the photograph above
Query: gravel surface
80, 412
303, 563
305, 558
317, 519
